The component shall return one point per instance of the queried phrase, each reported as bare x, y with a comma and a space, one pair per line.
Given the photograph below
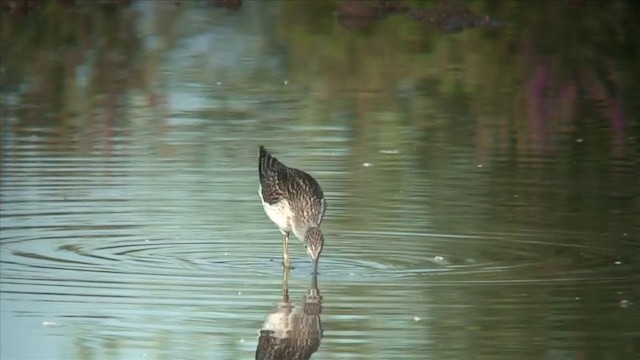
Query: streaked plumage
294, 331
294, 201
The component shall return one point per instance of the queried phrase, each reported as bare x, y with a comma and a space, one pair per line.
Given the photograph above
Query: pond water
482, 186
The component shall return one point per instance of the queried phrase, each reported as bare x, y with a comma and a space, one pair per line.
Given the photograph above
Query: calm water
482, 186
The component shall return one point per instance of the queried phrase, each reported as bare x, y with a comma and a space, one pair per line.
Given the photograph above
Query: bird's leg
285, 284
285, 255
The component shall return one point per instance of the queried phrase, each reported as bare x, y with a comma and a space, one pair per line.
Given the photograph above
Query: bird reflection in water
294, 331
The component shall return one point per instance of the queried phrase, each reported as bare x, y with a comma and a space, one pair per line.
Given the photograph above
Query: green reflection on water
529, 130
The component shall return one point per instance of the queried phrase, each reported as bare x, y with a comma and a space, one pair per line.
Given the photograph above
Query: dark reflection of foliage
562, 73
226, 4
452, 16
44, 52
359, 15
571, 55
22, 8
448, 16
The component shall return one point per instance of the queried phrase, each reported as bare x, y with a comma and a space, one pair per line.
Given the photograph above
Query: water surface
482, 186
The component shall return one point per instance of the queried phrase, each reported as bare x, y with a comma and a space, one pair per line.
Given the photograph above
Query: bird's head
313, 242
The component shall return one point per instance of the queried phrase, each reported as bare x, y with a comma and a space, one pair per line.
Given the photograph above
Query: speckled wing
309, 199
279, 182
273, 177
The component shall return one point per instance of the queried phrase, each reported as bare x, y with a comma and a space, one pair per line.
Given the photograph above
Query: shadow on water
293, 331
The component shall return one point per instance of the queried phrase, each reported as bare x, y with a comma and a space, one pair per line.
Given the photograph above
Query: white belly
280, 213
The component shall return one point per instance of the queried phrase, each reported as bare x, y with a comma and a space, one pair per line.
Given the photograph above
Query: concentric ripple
489, 258
152, 246
359, 257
